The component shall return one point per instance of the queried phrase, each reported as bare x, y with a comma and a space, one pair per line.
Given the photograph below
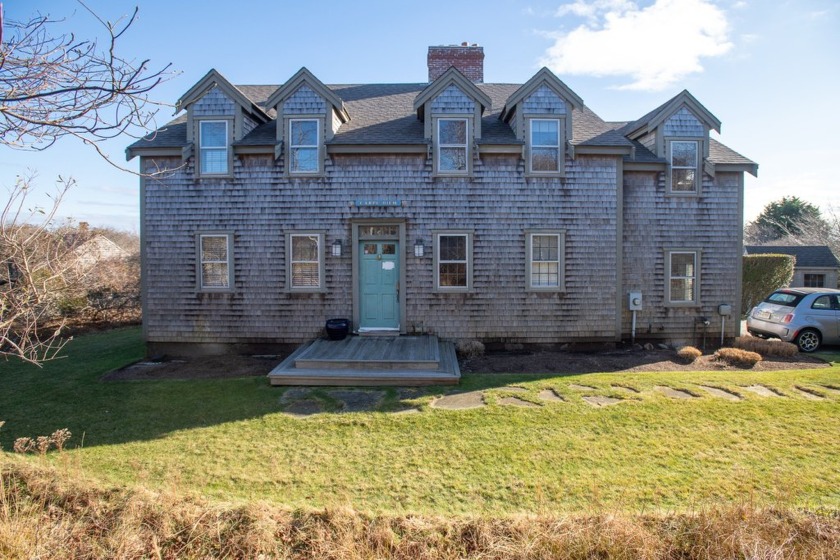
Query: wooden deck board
407, 360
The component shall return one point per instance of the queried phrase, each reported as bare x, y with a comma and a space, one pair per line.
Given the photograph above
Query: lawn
229, 440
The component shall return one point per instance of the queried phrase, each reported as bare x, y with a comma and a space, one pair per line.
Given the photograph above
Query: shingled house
507, 213
815, 266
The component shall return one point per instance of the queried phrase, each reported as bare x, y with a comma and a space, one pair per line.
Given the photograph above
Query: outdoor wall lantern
336, 248
419, 250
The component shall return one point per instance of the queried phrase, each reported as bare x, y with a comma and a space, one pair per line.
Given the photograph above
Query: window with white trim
303, 146
306, 261
213, 147
545, 145
453, 261
814, 280
682, 280
545, 253
214, 262
684, 163
452, 145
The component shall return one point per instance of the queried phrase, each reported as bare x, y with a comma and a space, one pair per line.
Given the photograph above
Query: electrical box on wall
634, 301
724, 309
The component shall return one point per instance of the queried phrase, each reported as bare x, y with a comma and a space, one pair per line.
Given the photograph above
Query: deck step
402, 361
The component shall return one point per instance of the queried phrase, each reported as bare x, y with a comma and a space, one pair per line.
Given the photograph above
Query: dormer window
452, 144
213, 142
303, 146
684, 160
545, 146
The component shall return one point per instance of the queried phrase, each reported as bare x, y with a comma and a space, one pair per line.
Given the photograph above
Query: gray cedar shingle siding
304, 101
544, 102
452, 101
214, 103
497, 202
684, 123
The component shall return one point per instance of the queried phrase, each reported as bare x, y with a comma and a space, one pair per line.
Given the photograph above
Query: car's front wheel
808, 340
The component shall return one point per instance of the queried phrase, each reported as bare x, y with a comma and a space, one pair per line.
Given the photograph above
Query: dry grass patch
49, 514
766, 347
738, 357
689, 354
469, 348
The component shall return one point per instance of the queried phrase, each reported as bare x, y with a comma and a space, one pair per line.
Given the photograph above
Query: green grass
229, 440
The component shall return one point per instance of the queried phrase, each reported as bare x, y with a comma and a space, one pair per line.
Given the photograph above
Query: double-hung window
683, 277
305, 261
213, 147
545, 145
303, 146
452, 145
545, 261
214, 266
453, 262
684, 162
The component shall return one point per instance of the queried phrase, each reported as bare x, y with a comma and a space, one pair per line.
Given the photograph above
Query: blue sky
769, 70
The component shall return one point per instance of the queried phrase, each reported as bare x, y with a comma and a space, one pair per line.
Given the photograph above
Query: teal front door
379, 285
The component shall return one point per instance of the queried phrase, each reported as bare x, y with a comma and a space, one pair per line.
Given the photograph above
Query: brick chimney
467, 58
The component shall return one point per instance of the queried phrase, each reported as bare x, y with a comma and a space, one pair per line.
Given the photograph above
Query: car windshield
784, 298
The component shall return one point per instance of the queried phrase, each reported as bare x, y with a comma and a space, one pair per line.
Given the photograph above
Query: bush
469, 348
766, 347
689, 353
764, 274
737, 357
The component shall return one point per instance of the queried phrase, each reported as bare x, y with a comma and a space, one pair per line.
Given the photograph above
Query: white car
807, 317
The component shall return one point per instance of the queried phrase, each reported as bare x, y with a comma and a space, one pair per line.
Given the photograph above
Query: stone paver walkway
303, 402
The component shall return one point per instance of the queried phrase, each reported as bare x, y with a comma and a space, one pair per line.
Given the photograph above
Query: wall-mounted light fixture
336, 248
419, 250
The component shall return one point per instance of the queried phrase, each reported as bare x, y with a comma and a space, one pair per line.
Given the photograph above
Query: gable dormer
218, 114
308, 115
540, 115
678, 131
451, 108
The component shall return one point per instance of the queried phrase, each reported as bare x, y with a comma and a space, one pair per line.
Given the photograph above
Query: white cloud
655, 46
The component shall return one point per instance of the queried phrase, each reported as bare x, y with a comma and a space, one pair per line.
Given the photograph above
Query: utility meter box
724, 309
634, 301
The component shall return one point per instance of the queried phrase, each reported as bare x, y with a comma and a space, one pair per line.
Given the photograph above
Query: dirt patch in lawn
618, 360
209, 367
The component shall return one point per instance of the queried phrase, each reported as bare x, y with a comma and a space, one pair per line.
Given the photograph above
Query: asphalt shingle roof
807, 256
384, 114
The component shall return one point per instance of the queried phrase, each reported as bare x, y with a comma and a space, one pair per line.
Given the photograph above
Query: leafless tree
57, 85
54, 85
34, 272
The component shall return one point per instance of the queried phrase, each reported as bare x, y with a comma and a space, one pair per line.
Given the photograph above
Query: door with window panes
379, 284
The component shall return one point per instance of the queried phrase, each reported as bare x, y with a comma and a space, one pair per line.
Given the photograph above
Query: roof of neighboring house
384, 114
807, 256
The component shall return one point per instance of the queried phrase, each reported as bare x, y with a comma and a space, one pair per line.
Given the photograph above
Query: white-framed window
215, 268
453, 261
546, 259
452, 145
304, 146
213, 147
545, 146
684, 158
683, 276
814, 280
305, 269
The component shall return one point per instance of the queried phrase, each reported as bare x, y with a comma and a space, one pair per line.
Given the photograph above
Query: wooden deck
356, 360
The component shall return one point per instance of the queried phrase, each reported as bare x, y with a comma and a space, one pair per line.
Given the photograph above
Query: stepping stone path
675, 393
577, 387
717, 392
460, 401
601, 401
549, 395
304, 408
357, 401
763, 391
515, 401
809, 394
